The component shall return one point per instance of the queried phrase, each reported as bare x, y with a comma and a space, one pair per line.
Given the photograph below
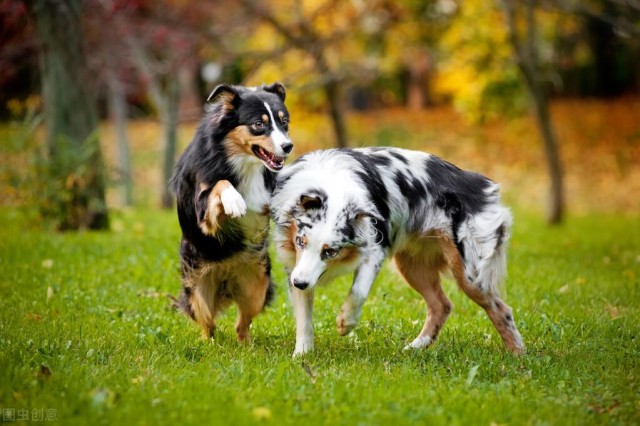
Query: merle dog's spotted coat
343, 210
223, 183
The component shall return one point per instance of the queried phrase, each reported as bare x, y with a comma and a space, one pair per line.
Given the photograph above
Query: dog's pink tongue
276, 162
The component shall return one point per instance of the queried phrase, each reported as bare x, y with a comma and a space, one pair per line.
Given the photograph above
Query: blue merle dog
341, 210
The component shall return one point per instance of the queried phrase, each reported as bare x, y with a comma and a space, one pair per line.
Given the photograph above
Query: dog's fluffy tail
485, 238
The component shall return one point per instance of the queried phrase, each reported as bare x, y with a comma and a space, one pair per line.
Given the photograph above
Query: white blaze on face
279, 139
309, 266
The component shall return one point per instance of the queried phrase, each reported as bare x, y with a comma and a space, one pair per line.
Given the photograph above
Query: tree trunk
167, 102
190, 100
555, 212
336, 111
76, 195
527, 60
170, 122
418, 68
118, 113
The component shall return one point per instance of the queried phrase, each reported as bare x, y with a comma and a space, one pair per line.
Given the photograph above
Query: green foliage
20, 153
54, 186
85, 329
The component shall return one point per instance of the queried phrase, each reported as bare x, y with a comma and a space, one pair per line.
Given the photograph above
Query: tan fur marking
214, 215
252, 291
241, 279
498, 311
347, 255
204, 303
420, 265
265, 118
226, 99
288, 243
240, 140
304, 243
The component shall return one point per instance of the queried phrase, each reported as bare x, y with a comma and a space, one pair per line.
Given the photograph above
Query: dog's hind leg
422, 272
251, 299
202, 301
500, 313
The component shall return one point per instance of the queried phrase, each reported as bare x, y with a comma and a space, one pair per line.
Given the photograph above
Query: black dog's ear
276, 88
223, 93
310, 201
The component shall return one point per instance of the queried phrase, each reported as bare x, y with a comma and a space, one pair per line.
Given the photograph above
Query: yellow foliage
478, 70
478, 54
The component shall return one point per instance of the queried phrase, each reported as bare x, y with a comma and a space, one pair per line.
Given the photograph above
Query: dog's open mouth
271, 160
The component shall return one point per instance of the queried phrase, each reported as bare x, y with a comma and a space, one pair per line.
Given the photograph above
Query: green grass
85, 329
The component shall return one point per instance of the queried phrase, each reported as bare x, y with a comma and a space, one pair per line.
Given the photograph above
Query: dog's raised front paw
232, 202
345, 323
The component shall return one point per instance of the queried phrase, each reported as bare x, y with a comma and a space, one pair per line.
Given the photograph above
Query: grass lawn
86, 333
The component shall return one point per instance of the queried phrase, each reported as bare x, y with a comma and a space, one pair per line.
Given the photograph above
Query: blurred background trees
159, 59
74, 185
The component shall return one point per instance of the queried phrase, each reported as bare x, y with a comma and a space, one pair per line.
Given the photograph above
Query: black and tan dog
223, 184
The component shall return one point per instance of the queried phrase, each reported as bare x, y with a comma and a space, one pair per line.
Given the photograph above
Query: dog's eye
258, 124
300, 242
330, 253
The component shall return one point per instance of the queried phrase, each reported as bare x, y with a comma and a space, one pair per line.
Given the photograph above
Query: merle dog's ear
276, 88
357, 215
223, 93
310, 201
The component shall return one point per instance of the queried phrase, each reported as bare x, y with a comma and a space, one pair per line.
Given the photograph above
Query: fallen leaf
44, 372
614, 312
103, 397
472, 374
603, 410
32, 316
563, 289
262, 413
117, 226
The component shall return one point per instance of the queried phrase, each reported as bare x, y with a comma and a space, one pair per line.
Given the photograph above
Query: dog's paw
232, 202
301, 349
419, 343
345, 323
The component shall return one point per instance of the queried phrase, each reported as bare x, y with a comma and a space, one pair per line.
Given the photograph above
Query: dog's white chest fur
256, 197
252, 187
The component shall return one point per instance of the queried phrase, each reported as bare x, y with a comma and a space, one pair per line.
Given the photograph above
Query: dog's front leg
303, 311
363, 280
214, 201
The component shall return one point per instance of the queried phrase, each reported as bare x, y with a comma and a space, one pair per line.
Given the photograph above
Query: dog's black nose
300, 284
287, 147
